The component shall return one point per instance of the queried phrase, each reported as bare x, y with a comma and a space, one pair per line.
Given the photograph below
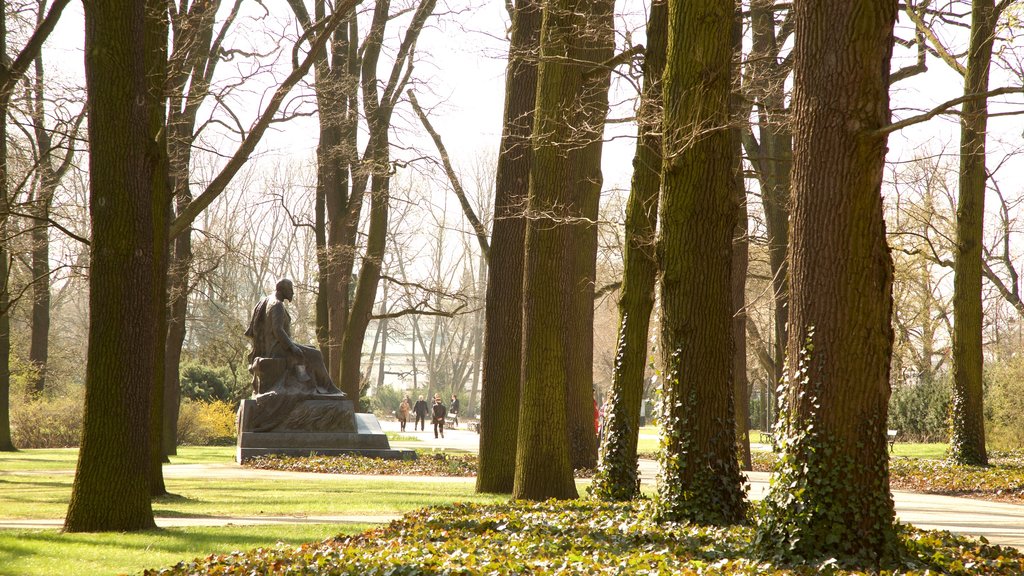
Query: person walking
403, 413
453, 409
420, 409
439, 413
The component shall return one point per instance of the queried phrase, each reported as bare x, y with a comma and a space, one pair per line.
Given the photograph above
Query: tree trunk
967, 440
470, 409
39, 347
6, 445
772, 161
543, 465
195, 58
502, 363
700, 476
123, 50
597, 47
841, 273
177, 296
740, 258
617, 477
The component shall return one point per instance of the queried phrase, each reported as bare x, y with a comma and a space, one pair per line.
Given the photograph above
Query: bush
385, 401
200, 382
206, 423
1005, 419
921, 411
40, 422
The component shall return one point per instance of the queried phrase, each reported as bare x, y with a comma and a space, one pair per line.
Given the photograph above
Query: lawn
36, 484
46, 552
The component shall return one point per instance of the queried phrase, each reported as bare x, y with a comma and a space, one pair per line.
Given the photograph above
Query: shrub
200, 382
921, 411
385, 401
206, 423
41, 422
1005, 419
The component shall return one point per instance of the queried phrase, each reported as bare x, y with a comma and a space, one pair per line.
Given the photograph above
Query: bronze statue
277, 363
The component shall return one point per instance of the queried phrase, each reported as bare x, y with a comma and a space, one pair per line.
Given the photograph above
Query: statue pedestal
360, 435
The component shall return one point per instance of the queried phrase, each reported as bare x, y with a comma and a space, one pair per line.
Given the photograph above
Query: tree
740, 256
191, 72
770, 152
500, 386
11, 71
596, 50
700, 475
341, 183
378, 108
195, 53
125, 59
967, 438
617, 477
840, 337
50, 168
543, 466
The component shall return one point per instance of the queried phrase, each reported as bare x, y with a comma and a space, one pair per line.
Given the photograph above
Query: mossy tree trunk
617, 477
543, 464
597, 47
967, 439
124, 49
502, 359
700, 479
841, 273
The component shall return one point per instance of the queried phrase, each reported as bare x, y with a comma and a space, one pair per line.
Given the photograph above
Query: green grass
36, 484
400, 437
43, 460
53, 459
46, 496
46, 552
204, 455
935, 451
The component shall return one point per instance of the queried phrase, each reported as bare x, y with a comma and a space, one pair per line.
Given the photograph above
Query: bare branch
944, 107
467, 209
245, 149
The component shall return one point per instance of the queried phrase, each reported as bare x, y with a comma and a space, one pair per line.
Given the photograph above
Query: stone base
368, 440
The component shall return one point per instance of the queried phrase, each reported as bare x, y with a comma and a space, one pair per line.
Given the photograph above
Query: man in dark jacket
420, 409
439, 413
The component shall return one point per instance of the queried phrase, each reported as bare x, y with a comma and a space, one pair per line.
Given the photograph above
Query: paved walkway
999, 522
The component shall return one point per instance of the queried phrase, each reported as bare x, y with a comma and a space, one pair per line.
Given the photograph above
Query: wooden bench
765, 437
891, 438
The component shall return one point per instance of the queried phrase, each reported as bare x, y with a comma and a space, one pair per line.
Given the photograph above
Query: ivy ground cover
578, 537
1002, 480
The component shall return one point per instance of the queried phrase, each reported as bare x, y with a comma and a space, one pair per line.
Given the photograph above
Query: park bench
765, 437
891, 437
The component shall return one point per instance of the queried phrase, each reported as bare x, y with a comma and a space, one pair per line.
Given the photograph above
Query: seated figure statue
292, 388
276, 362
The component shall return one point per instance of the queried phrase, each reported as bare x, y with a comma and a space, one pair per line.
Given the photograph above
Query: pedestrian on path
453, 409
421, 414
439, 414
403, 413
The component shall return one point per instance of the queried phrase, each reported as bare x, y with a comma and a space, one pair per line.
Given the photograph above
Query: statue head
284, 290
